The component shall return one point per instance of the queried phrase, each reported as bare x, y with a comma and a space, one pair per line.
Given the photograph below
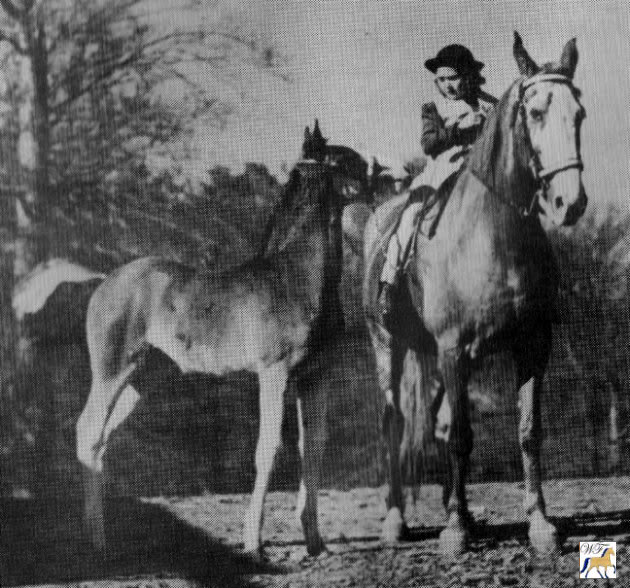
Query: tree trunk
616, 435
614, 453
30, 244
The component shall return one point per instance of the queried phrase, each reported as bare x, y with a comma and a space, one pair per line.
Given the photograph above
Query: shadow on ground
43, 542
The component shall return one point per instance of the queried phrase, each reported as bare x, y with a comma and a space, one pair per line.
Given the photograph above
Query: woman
450, 125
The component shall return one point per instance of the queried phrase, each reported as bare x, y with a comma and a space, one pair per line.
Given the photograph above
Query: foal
264, 316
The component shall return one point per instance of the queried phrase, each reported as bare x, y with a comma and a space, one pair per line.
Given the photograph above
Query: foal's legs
273, 383
312, 412
455, 370
531, 356
110, 402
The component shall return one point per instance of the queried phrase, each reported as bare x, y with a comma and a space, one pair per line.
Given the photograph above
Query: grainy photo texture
314, 293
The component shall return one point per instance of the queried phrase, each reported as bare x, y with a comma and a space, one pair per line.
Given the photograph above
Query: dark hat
458, 57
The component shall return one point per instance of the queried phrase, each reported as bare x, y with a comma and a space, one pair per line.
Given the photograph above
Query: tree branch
147, 52
13, 40
121, 63
127, 60
11, 9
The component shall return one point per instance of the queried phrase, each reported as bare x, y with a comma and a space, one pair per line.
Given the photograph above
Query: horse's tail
51, 300
586, 562
419, 450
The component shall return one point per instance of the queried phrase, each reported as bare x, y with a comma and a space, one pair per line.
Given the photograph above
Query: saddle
428, 218
433, 201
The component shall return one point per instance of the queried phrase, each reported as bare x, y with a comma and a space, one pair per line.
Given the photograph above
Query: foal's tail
51, 301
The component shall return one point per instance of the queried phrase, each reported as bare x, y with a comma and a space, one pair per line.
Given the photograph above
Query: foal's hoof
454, 541
543, 536
393, 526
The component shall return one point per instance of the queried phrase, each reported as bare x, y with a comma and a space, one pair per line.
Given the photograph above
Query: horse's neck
305, 243
500, 158
497, 177
493, 209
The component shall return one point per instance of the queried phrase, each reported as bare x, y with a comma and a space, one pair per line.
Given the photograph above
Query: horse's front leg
455, 369
273, 383
531, 355
312, 407
543, 535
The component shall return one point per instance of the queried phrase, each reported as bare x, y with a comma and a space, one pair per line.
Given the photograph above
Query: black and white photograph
314, 293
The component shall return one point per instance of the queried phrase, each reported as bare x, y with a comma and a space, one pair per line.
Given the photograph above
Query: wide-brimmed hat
458, 57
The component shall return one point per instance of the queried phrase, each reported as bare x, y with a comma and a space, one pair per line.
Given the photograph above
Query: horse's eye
536, 114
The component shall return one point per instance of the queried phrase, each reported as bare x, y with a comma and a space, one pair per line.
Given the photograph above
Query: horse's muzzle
575, 212
566, 198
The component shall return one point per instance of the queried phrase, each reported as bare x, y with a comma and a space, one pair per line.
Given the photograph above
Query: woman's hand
470, 120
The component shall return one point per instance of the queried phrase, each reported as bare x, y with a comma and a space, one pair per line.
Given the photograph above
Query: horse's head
314, 145
349, 169
551, 115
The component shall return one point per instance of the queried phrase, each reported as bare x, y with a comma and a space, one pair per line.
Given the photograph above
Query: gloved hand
470, 120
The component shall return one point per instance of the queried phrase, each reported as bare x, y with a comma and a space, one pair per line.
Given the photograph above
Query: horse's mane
488, 157
287, 194
292, 209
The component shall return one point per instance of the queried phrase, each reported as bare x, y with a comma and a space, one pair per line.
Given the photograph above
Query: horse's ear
526, 65
569, 58
307, 134
317, 134
377, 168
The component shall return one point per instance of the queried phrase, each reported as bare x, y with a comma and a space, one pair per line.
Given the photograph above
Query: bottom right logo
598, 559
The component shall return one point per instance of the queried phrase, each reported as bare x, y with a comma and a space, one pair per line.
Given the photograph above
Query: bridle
542, 175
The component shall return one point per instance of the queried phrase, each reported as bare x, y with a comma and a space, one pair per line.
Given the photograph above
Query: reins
542, 175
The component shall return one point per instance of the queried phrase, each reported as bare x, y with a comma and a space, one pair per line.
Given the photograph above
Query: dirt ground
195, 541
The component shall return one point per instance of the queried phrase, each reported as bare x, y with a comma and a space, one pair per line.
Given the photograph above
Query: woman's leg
399, 243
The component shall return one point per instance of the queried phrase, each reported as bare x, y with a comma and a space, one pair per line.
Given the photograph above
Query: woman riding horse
450, 125
487, 281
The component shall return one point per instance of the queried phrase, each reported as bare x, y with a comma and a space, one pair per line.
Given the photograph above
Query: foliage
123, 89
595, 264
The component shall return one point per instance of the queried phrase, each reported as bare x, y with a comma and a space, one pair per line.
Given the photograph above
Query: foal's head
552, 115
349, 169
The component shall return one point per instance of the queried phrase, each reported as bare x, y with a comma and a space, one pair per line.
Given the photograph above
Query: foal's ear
526, 65
317, 134
569, 58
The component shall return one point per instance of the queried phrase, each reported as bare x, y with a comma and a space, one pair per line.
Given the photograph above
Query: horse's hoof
543, 536
254, 553
99, 544
393, 527
317, 553
316, 547
95, 530
454, 542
